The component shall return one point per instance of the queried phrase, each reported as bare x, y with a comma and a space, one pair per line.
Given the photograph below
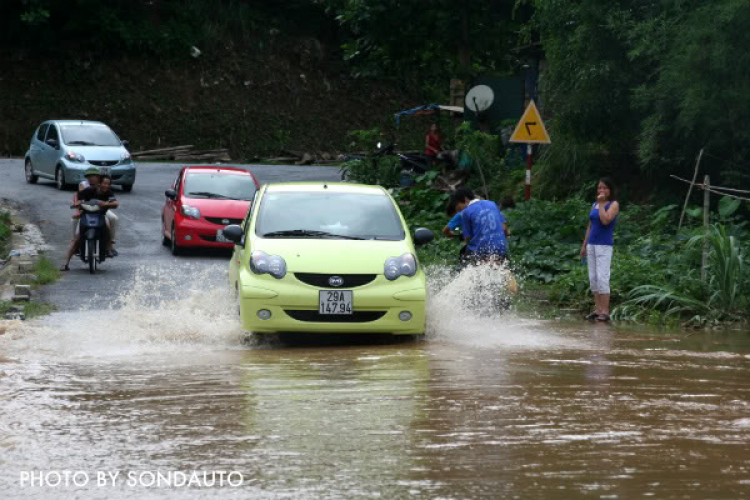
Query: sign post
530, 130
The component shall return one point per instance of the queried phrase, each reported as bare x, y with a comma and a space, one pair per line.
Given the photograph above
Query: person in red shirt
433, 141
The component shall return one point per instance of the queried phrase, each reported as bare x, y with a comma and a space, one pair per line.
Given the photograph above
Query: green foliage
163, 27
423, 206
379, 170
697, 89
365, 140
46, 272
5, 234
394, 38
636, 88
721, 298
728, 206
546, 236
34, 13
282, 138
486, 152
30, 309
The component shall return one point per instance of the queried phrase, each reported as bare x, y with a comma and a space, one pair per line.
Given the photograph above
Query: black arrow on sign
527, 124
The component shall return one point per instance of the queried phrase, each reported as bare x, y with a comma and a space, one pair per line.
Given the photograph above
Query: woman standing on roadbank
597, 245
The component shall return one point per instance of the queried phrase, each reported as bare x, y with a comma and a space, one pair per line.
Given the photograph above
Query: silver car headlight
125, 158
262, 263
191, 212
406, 265
73, 156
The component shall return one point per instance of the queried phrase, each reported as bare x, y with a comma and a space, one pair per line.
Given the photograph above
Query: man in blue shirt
449, 231
483, 226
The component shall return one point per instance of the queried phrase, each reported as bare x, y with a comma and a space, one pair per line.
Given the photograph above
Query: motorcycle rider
101, 192
92, 179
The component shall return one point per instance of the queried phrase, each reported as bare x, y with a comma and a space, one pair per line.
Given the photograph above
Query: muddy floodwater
158, 398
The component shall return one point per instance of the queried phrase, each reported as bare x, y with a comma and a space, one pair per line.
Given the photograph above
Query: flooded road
158, 392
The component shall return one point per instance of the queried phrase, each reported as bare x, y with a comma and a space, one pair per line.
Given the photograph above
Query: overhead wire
713, 189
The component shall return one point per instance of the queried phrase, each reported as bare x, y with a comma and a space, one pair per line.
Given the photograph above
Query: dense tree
435, 40
638, 87
151, 26
697, 93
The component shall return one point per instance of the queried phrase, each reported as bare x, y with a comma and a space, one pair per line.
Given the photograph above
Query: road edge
26, 250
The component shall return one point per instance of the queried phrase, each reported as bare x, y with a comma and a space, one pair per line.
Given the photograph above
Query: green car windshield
296, 214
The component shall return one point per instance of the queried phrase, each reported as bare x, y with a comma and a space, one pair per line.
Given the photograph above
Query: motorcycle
93, 230
414, 163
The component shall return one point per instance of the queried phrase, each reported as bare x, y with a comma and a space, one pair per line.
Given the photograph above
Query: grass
723, 300
46, 272
30, 309
5, 234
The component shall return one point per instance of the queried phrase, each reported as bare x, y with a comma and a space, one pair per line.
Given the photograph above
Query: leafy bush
4, 234
546, 236
379, 170
423, 206
720, 298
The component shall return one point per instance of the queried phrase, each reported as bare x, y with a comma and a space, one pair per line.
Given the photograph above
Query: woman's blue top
601, 234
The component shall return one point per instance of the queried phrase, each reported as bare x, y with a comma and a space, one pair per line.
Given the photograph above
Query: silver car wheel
29, 170
60, 178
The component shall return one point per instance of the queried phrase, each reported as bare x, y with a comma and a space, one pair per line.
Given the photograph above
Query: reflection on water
486, 407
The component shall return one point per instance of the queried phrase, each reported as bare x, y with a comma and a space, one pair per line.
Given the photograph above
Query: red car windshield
219, 185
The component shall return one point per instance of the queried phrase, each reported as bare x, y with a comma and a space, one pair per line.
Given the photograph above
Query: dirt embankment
290, 95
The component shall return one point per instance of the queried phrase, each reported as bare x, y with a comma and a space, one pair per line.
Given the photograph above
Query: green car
327, 258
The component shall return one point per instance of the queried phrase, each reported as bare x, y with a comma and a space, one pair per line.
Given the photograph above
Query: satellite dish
480, 98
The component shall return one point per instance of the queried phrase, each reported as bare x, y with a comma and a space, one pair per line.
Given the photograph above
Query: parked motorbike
93, 229
415, 164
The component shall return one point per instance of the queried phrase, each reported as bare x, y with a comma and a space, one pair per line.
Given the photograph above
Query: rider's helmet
91, 171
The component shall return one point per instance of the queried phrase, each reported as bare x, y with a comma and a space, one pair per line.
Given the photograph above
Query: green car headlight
262, 263
406, 265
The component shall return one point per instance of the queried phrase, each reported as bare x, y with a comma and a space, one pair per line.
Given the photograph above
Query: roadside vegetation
656, 269
44, 270
5, 234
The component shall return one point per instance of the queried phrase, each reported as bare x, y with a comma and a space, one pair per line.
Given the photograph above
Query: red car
203, 200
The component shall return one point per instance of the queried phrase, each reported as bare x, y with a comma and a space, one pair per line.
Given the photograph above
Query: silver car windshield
89, 135
219, 186
328, 214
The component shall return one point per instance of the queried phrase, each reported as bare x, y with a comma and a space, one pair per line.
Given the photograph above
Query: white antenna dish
479, 98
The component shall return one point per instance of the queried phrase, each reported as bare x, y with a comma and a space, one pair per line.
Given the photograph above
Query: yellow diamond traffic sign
530, 128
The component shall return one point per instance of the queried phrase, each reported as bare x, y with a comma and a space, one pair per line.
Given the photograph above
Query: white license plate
105, 171
336, 301
220, 236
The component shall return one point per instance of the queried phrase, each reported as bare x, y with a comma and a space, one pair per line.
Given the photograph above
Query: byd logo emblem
335, 281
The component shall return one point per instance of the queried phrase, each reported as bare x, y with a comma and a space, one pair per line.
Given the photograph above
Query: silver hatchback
62, 150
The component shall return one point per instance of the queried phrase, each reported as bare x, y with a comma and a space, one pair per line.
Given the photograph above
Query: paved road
139, 241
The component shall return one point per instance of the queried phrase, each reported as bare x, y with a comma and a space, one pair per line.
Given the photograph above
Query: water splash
475, 307
184, 308
161, 311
